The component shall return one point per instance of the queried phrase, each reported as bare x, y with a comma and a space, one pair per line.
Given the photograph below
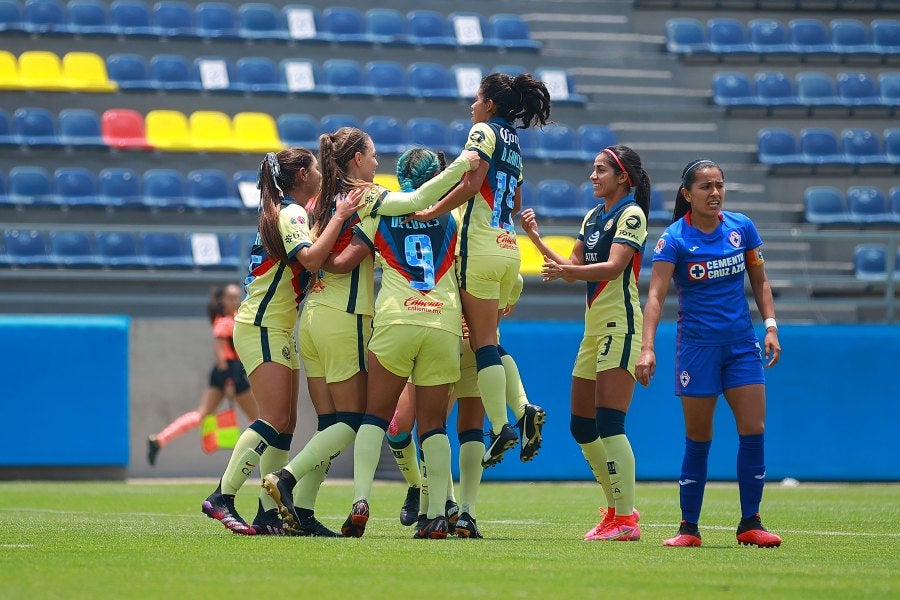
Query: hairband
693, 166
621, 166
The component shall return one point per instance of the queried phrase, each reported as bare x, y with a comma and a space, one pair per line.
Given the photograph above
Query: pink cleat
220, 507
620, 529
606, 517
688, 536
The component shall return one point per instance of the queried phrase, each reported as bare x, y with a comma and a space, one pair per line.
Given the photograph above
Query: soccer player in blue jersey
607, 255
706, 251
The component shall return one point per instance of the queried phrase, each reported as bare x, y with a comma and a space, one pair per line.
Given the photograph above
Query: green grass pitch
149, 540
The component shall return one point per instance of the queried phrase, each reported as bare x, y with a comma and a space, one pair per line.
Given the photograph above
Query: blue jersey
709, 277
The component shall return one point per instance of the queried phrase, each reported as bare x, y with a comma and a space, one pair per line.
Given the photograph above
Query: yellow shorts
333, 343
599, 353
426, 355
488, 277
256, 345
467, 386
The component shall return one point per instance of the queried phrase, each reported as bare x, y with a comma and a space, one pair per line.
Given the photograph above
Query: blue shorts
703, 371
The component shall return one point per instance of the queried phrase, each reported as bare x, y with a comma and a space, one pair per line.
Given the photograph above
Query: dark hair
637, 176
276, 176
418, 165
688, 176
336, 150
215, 306
522, 100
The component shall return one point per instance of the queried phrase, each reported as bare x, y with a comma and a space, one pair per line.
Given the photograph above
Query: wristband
770, 322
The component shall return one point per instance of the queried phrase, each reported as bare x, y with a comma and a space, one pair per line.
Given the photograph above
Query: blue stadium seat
76, 187
511, 70
889, 90
558, 142
4, 197
894, 200
471, 30
174, 19
816, 89
129, 71
6, 135
558, 198
210, 189
88, 17
511, 32
891, 139
165, 251
35, 127
809, 37
862, 147
560, 84
727, 36
260, 21
467, 78
430, 80
857, 89
824, 205
344, 25
172, 72
258, 75
27, 248
387, 26
119, 250
164, 188
131, 18
387, 78
774, 89
429, 28
732, 89
296, 129
851, 37
11, 18
216, 20
459, 132
658, 211
777, 146
211, 252
870, 262
886, 36
244, 185
588, 199
387, 133
867, 205
331, 123
429, 133
528, 144
529, 194
686, 36
768, 37
30, 185
304, 22
119, 188
301, 76
231, 252
45, 17
216, 74
594, 138
344, 77
74, 250
819, 146
80, 127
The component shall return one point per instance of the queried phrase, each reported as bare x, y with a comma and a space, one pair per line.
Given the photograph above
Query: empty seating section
827, 205
855, 147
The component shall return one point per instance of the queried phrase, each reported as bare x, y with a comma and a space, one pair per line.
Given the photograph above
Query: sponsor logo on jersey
632, 222
660, 245
476, 137
426, 306
720, 267
507, 241
735, 238
593, 239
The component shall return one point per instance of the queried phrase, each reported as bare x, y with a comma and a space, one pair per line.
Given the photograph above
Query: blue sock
693, 478
751, 473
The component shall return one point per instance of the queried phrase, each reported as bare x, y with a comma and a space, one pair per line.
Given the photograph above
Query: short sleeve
372, 196
366, 229
631, 228
293, 223
482, 139
751, 235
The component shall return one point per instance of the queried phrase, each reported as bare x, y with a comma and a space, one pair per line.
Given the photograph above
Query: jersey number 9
419, 254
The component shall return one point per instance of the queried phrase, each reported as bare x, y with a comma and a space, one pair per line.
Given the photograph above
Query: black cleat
500, 443
451, 511
220, 507
410, 508
152, 450
311, 527
280, 487
355, 525
267, 522
467, 528
530, 426
435, 529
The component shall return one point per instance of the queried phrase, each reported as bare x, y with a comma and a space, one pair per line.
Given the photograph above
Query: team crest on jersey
286, 352
632, 222
735, 238
684, 378
660, 245
608, 226
476, 137
592, 239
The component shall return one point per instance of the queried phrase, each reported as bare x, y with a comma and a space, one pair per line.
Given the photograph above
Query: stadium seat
511, 70
119, 250
588, 200
387, 133
857, 90
886, 36
165, 188
471, 30
429, 133
344, 77
467, 77
429, 28
174, 19
733, 89
165, 251
304, 22
510, 31
819, 146
816, 89
889, 90
727, 36
11, 16
851, 37
386, 26
210, 189
259, 21
45, 17
686, 36
39, 70
594, 138
172, 72
459, 132
119, 188
891, 139
88, 17
558, 142
774, 89
344, 25
867, 204
35, 127
862, 147
301, 76
124, 129
431, 80
561, 244
387, 78
870, 262
230, 253
216, 74
129, 71
255, 132
894, 200
86, 72
169, 130
768, 37
27, 248
824, 205
74, 250
558, 198
7, 139
532, 261
777, 146
211, 131
298, 130
560, 85
30, 186
80, 127
528, 144
258, 75
658, 211
216, 20
387, 180
245, 188
4, 197
331, 123
529, 194
809, 37
76, 186
131, 18
9, 71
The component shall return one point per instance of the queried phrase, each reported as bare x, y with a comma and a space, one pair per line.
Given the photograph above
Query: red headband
621, 166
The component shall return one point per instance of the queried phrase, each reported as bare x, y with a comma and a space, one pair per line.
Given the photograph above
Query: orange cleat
751, 532
606, 517
688, 536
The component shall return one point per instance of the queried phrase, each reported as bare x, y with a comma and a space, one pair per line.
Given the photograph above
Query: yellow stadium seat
9, 71
86, 72
212, 131
531, 257
39, 70
387, 180
168, 130
256, 132
561, 244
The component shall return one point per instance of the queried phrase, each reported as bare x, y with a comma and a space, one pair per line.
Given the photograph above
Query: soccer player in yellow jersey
281, 256
488, 262
607, 255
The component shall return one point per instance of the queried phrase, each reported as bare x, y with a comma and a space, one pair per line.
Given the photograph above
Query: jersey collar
627, 199
687, 217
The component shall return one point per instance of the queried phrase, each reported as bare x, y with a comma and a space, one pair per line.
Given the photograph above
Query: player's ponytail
336, 150
418, 165
688, 176
623, 159
522, 100
276, 177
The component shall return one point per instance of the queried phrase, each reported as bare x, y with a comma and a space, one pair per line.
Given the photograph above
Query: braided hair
418, 165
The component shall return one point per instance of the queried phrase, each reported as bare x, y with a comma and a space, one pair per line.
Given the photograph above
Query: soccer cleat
606, 517
310, 526
355, 525
688, 535
410, 509
280, 487
467, 528
619, 529
152, 450
451, 511
530, 426
499, 444
220, 507
267, 522
435, 529
750, 532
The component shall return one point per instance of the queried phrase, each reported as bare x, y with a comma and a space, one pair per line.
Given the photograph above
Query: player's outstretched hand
530, 224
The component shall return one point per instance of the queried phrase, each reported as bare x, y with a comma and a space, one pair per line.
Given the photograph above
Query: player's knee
353, 419
583, 429
610, 422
